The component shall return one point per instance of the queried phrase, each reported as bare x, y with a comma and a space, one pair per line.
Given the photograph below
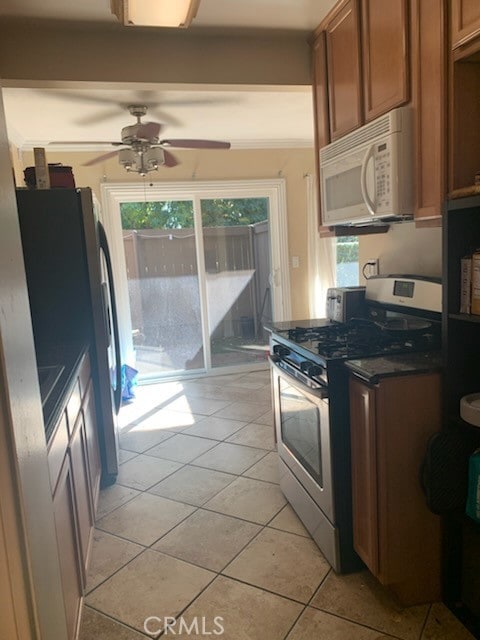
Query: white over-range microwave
367, 175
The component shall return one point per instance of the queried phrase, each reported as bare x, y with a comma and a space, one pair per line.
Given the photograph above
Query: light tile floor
197, 527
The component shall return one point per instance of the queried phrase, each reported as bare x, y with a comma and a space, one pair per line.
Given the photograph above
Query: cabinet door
93, 454
384, 54
465, 21
429, 65
65, 524
364, 473
343, 65
408, 413
81, 484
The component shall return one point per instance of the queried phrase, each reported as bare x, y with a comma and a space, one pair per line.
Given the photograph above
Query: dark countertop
68, 356
372, 369
277, 327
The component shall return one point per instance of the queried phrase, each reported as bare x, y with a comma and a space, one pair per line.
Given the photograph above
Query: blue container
473, 498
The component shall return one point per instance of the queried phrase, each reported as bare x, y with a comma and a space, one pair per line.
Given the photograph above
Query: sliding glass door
236, 251
196, 279
163, 286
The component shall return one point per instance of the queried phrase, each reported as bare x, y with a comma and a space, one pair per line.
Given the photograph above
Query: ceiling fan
141, 149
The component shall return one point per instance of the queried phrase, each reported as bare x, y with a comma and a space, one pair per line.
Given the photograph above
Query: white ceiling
265, 14
249, 117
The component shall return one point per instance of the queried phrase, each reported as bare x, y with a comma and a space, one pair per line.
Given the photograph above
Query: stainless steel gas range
400, 314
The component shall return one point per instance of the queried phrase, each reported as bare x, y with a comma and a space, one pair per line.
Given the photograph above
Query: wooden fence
153, 255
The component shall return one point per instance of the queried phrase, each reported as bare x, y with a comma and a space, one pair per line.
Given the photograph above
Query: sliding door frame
274, 190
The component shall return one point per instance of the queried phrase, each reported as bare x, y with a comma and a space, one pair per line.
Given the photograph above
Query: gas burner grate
361, 338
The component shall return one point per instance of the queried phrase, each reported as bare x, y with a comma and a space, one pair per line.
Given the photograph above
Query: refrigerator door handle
113, 309
107, 319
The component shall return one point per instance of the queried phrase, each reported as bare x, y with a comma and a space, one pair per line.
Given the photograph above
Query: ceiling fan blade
81, 95
195, 144
170, 160
163, 116
101, 158
149, 130
94, 118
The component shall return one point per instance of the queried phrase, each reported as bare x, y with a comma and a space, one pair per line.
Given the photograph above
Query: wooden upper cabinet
465, 21
429, 99
343, 65
384, 56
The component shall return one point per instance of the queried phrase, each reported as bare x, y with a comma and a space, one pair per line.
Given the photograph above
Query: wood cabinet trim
74, 404
461, 35
85, 374
93, 449
320, 109
328, 18
364, 473
57, 450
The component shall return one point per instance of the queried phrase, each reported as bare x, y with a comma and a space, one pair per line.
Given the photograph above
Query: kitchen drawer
73, 406
57, 448
84, 374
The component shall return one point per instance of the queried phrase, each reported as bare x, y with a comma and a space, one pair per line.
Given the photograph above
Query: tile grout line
360, 624
425, 622
262, 526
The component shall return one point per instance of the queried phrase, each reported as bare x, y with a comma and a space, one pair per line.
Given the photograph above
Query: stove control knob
310, 368
280, 350
315, 370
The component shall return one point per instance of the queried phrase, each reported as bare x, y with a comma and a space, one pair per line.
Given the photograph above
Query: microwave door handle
371, 205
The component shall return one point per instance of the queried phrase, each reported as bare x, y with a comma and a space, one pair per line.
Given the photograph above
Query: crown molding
285, 143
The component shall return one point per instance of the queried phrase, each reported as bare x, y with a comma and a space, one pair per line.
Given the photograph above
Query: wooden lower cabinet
81, 487
91, 439
67, 542
394, 533
75, 469
364, 474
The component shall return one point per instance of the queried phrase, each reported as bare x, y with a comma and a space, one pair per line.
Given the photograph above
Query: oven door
302, 428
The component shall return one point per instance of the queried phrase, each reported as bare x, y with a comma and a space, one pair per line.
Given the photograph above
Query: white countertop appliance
367, 176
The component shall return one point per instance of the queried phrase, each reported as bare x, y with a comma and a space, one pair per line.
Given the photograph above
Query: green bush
347, 251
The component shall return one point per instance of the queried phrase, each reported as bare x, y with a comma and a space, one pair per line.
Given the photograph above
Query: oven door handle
320, 392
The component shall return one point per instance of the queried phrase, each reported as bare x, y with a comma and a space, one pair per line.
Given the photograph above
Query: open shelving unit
461, 360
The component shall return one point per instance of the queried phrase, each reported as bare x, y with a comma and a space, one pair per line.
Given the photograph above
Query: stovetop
360, 338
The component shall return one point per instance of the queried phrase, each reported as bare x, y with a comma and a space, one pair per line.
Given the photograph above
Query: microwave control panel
383, 171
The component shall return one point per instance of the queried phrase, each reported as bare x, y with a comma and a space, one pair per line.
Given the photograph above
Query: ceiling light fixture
155, 13
141, 161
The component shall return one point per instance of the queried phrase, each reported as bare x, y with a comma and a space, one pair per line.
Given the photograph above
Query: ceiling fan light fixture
155, 13
141, 163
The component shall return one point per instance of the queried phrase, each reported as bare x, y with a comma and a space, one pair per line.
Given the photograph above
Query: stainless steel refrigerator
72, 296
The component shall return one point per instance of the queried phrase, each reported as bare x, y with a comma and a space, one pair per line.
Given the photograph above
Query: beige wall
404, 249
292, 164
48, 52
